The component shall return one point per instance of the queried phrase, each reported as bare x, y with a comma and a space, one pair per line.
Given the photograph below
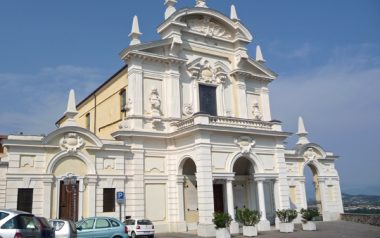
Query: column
276, 202
234, 227
264, 224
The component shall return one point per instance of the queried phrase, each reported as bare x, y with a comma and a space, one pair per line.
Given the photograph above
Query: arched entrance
190, 194
245, 195
69, 173
313, 193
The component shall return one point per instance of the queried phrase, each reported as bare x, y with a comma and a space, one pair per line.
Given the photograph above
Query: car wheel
133, 235
151, 236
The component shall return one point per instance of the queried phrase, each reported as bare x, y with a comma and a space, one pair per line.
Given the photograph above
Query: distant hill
360, 199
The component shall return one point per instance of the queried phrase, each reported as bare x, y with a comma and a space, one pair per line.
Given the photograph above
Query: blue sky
327, 55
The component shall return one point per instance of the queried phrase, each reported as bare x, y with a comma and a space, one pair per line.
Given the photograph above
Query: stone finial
200, 3
71, 110
170, 9
234, 16
302, 133
259, 55
135, 33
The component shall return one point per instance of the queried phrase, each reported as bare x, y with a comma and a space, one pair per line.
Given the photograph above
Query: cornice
153, 57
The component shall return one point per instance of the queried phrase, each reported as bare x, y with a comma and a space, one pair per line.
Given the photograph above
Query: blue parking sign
120, 197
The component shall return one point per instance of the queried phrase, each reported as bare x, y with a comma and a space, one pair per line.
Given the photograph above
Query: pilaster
173, 91
265, 104
205, 185
241, 95
135, 92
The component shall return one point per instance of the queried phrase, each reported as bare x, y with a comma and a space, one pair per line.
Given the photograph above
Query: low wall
372, 219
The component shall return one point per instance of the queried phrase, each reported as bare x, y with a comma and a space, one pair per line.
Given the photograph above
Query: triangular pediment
256, 70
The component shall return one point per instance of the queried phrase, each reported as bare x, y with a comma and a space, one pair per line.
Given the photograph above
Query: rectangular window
88, 121
207, 99
25, 199
108, 200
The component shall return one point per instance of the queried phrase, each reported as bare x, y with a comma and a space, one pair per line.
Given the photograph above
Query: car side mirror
79, 228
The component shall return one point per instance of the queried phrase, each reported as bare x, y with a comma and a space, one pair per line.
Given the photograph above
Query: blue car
101, 227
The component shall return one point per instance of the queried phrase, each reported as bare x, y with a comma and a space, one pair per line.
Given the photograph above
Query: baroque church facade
184, 129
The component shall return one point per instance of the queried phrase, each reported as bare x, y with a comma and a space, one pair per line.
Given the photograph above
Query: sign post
120, 199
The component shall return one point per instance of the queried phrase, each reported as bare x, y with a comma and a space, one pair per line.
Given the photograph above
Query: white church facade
184, 129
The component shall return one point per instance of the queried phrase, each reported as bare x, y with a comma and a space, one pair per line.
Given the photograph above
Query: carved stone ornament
188, 109
155, 102
310, 155
208, 27
71, 142
245, 143
202, 70
256, 111
128, 106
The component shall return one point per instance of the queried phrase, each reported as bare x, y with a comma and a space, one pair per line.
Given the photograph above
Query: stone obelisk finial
259, 55
135, 32
233, 15
170, 9
71, 110
302, 133
200, 3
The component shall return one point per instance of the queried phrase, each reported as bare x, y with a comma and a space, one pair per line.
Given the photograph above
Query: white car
139, 227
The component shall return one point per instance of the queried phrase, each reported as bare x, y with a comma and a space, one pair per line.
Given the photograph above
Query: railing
372, 219
242, 123
223, 121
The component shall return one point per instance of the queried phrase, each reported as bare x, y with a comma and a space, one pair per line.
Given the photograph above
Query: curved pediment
311, 151
72, 138
206, 22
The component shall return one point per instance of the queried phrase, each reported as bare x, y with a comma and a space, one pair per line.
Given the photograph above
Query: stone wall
361, 218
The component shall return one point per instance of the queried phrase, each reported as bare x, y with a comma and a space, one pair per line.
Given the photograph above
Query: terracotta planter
286, 227
249, 231
309, 226
222, 233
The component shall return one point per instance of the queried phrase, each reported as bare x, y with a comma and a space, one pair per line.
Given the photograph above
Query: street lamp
72, 180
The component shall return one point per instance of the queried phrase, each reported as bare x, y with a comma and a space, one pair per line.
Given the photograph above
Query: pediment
255, 70
72, 138
208, 23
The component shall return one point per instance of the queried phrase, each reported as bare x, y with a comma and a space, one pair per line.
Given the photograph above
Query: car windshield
144, 222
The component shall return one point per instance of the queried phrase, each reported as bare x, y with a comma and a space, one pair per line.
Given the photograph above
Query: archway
190, 193
69, 172
245, 195
313, 194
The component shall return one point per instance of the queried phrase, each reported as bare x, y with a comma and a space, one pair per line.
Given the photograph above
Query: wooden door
68, 201
218, 198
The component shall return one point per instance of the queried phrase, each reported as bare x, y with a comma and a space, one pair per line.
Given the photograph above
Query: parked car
101, 227
63, 228
139, 227
47, 231
18, 224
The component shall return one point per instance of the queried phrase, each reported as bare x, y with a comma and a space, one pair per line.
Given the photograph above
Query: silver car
63, 228
18, 224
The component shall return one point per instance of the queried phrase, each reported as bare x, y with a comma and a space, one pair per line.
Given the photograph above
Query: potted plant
286, 216
249, 219
307, 219
222, 222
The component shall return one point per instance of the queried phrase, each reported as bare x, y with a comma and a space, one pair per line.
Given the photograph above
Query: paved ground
336, 229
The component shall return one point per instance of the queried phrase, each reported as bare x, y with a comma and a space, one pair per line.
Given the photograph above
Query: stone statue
256, 111
155, 102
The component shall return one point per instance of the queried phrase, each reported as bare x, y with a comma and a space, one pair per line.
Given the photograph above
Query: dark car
47, 231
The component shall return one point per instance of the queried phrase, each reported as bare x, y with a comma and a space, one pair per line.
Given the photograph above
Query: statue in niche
256, 111
155, 102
